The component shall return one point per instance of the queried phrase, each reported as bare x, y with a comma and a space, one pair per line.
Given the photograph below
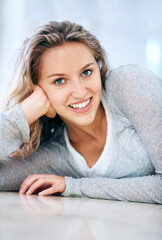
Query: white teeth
80, 105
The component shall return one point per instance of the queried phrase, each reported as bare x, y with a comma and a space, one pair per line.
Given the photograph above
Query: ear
51, 112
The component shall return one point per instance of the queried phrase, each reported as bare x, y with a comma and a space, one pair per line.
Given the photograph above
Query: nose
78, 89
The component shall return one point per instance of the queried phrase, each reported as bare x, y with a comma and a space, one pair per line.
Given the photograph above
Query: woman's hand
51, 183
37, 105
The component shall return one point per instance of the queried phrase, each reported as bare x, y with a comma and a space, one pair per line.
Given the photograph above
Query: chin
85, 122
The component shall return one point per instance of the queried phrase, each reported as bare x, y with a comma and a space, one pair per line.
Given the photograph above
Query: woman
75, 128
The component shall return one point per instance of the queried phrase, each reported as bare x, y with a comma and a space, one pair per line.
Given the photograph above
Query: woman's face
70, 76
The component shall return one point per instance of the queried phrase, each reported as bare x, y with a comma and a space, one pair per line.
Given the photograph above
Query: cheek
96, 86
56, 98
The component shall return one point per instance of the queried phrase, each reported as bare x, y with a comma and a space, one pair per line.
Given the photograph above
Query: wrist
33, 110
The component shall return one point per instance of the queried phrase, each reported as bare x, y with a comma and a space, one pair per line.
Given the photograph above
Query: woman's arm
49, 158
14, 124
37, 105
14, 130
140, 189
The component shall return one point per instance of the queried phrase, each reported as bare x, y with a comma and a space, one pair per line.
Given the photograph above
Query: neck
90, 132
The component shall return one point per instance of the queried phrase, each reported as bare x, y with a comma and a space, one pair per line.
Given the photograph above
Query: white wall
129, 30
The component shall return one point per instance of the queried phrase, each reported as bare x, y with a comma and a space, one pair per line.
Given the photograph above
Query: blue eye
87, 72
59, 81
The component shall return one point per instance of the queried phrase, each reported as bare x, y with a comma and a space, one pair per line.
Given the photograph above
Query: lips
82, 106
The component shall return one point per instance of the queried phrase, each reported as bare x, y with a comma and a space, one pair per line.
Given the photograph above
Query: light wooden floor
59, 218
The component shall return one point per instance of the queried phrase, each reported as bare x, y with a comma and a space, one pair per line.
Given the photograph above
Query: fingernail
21, 191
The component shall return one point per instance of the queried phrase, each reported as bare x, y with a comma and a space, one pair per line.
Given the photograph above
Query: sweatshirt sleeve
138, 93
14, 130
141, 189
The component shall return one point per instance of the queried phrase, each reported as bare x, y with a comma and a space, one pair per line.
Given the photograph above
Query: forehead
69, 54
69, 48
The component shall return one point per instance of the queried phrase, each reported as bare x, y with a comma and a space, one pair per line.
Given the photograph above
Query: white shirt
100, 168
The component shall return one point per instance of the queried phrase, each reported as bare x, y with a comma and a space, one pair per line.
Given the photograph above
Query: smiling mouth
80, 105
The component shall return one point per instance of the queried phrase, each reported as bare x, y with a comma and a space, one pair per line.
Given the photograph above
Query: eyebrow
63, 74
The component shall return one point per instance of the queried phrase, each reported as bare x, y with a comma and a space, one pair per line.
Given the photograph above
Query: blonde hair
26, 71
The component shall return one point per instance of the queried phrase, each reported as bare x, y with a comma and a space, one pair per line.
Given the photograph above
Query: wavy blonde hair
26, 71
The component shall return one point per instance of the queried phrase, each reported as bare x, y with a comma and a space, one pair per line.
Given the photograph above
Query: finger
37, 184
43, 187
48, 191
28, 182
